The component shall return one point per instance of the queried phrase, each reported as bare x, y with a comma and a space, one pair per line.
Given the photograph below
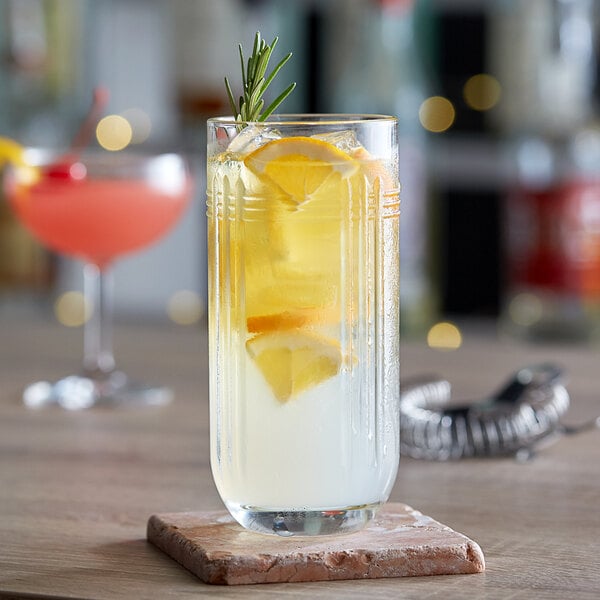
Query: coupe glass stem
98, 352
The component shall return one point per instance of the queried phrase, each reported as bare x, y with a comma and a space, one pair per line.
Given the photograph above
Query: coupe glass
97, 207
303, 319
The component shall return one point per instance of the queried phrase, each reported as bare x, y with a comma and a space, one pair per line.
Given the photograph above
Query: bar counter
77, 488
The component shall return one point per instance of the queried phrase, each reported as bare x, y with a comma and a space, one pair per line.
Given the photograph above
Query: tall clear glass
303, 319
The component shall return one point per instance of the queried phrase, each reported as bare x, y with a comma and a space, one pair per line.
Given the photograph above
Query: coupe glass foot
77, 392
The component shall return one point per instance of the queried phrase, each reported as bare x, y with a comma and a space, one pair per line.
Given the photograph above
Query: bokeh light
78, 171
71, 309
482, 92
114, 132
437, 114
444, 336
525, 309
140, 123
585, 149
185, 307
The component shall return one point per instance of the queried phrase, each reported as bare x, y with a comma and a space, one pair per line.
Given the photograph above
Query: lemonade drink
303, 290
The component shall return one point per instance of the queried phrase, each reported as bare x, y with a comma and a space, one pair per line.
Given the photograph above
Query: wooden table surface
76, 488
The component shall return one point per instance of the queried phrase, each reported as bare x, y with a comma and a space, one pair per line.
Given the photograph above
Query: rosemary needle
255, 82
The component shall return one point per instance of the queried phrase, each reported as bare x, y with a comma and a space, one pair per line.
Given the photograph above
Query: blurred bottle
543, 53
552, 239
37, 43
381, 71
203, 55
205, 52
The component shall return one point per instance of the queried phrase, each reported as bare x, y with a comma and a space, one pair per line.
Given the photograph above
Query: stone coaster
399, 542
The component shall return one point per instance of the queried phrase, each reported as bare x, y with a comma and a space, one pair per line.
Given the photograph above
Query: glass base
303, 523
77, 392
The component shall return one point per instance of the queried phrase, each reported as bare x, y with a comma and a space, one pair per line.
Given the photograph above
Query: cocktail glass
303, 319
97, 207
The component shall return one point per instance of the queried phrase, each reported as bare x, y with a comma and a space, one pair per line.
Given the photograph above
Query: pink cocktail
97, 220
98, 207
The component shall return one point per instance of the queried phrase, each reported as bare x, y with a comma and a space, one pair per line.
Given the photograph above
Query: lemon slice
375, 170
13, 153
299, 165
291, 319
294, 361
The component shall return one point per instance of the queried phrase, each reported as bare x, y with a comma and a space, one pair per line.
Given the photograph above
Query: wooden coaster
399, 542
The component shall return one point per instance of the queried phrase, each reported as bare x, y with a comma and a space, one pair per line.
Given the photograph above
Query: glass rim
42, 155
308, 119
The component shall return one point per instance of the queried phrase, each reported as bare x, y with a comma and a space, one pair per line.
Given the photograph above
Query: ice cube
251, 138
344, 140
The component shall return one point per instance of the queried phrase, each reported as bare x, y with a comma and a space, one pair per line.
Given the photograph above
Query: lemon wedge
13, 153
290, 319
299, 165
375, 170
294, 361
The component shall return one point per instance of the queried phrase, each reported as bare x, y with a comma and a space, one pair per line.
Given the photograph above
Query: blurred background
499, 141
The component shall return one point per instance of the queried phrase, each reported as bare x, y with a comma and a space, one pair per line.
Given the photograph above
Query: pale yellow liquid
311, 269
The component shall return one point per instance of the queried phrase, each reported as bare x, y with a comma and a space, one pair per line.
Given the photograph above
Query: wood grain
77, 489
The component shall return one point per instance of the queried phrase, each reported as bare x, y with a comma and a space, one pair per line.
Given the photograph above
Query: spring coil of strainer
525, 411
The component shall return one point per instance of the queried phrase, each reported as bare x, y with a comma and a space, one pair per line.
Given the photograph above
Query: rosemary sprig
255, 82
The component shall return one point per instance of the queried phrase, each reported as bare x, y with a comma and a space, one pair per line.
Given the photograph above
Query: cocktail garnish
299, 165
13, 153
255, 82
293, 362
84, 135
68, 167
